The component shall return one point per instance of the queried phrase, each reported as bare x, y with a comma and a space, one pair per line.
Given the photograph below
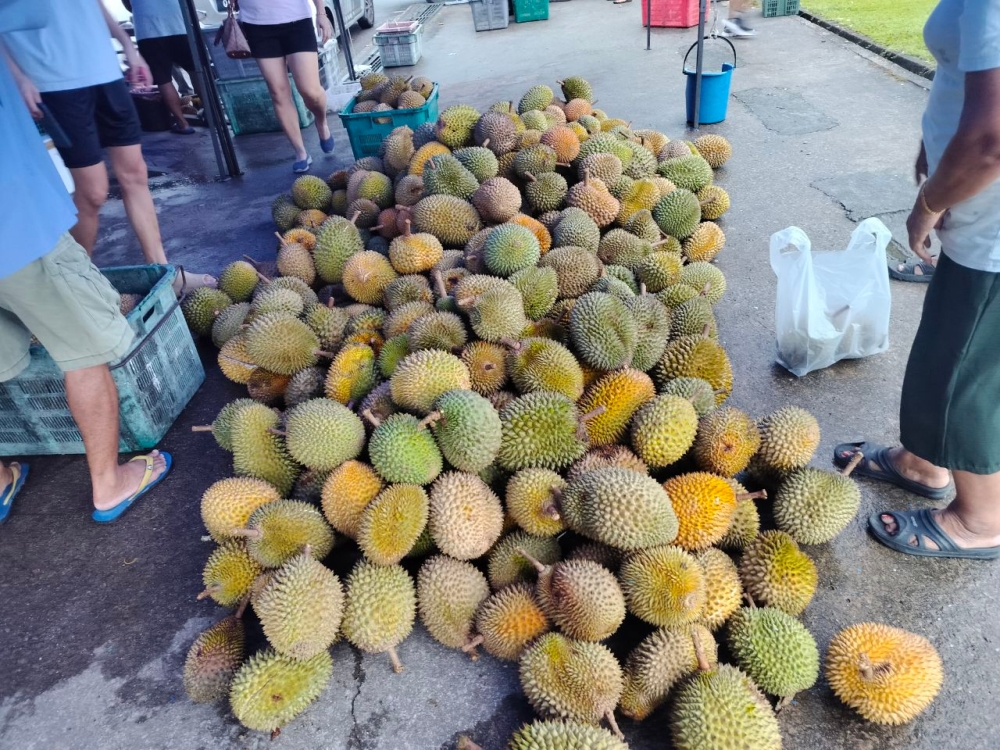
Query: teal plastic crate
249, 106
531, 10
367, 130
155, 380
772, 8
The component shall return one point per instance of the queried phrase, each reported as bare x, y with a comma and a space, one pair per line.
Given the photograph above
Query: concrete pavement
97, 620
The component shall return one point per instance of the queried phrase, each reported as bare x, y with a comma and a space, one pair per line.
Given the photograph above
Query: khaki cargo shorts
68, 305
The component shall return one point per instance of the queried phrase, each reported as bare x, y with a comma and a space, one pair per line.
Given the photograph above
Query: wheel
367, 20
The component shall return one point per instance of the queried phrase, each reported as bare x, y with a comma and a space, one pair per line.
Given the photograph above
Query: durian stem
664, 241
467, 302
464, 743
489, 367
642, 288
433, 418
530, 177
586, 177
705, 331
470, 647
510, 343
326, 355
330, 303
279, 433
372, 419
406, 223
214, 588
783, 702
866, 667
201, 428
355, 217
699, 652
242, 607
563, 164
857, 459
250, 260
610, 716
274, 733
758, 495
247, 533
397, 665
705, 289
486, 143
375, 228
263, 278
281, 240
537, 565
442, 290
550, 510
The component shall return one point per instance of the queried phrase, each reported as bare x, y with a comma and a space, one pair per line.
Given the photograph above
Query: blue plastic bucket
714, 90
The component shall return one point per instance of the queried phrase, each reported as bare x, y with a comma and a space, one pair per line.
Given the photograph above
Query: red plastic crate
673, 13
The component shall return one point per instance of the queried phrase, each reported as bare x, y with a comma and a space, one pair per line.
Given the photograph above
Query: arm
322, 22
970, 164
29, 92
138, 71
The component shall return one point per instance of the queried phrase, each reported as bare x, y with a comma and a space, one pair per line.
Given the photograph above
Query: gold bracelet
926, 205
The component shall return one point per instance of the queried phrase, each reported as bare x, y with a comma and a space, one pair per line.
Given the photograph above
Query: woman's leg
276, 77
972, 519
305, 71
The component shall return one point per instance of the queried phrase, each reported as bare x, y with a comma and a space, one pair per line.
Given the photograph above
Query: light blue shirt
35, 209
71, 51
964, 37
155, 18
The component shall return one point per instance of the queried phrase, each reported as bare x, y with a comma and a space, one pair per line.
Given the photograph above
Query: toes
891, 527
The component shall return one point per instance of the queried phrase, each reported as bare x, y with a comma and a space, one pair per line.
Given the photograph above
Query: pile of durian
488, 359
381, 93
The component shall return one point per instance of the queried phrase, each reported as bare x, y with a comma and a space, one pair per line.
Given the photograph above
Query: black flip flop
880, 455
909, 271
921, 524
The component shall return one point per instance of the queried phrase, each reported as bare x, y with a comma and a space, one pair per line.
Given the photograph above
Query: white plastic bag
831, 305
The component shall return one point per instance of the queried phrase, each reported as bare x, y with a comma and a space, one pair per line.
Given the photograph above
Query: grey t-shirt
964, 37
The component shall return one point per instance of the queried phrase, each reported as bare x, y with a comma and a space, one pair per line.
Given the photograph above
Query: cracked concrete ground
96, 620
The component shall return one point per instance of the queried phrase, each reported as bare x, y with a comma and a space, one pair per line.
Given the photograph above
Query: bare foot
952, 526
129, 477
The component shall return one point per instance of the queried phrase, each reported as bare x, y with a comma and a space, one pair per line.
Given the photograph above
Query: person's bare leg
130, 170
89, 194
6, 475
276, 77
305, 72
736, 8
173, 101
93, 402
972, 519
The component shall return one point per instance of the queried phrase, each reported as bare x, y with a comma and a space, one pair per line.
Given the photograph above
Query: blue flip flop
886, 471
112, 514
326, 144
302, 166
921, 525
20, 472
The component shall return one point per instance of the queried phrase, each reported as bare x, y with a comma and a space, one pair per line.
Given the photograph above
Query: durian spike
247, 533
537, 565
758, 495
464, 743
397, 665
610, 716
699, 652
208, 591
201, 428
853, 464
470, 647
431, 419
372, 419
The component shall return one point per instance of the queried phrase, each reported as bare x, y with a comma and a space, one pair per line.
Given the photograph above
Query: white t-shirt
964, 37
73, 50
267, 12
156, 18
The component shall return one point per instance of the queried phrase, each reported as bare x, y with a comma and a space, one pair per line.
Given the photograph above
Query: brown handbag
232, 38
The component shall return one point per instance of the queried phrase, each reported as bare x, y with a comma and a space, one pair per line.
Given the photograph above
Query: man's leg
305, 72
276, 77
130, 170
6, 475
90, 193
173, 101
93, 401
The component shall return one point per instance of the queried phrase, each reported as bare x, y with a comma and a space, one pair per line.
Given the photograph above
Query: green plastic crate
367, 130
772, 8
249, 106
155, 380
531, 10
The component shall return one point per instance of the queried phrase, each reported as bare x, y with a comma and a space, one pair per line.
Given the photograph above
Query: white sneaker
737, 27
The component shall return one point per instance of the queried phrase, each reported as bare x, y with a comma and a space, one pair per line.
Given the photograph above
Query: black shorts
94, 118
162, 53
280, 39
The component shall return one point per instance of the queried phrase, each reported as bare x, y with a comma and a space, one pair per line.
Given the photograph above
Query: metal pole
225, 153
698, 64
649, 21
345, 40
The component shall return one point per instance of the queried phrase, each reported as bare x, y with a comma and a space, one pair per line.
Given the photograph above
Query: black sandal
879, 454
909, 271
921, 525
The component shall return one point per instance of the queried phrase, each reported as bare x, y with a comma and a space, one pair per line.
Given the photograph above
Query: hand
138, 73
29, 92
920, 168
919, 225
325, 28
